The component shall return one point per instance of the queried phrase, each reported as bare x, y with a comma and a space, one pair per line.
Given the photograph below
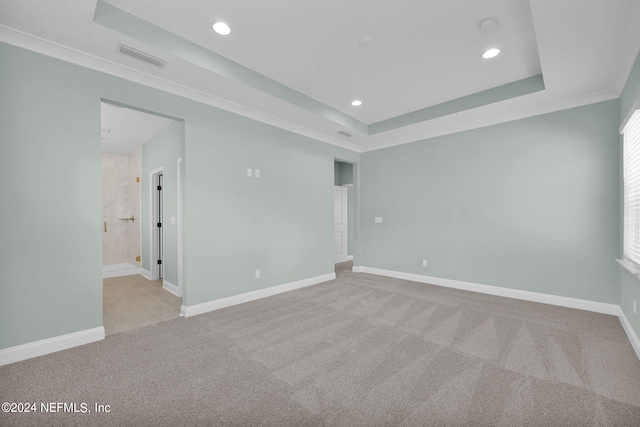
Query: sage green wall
337, 173
50, 200
50, 188
162, 151
629, 285
530, 204
346, 173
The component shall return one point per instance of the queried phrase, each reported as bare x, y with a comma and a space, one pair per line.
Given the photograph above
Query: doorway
343, 211
340, 243
136, 234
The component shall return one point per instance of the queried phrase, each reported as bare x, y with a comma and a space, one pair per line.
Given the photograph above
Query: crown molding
466, 123
40, 45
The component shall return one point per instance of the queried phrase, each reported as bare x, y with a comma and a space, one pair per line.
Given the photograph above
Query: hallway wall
162, 151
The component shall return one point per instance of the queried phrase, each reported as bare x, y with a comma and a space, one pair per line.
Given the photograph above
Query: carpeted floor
358, 351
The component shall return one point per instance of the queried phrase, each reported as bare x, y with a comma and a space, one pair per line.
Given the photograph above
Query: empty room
304, 213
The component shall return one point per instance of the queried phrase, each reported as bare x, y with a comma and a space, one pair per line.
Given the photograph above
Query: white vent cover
343, 133
142, 56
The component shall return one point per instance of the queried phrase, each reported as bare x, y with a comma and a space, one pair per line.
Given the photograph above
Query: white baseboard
145, 273
193, 310
119, 270
50, 345
349, 257
633, 337
171, 288
357, 269
580, 304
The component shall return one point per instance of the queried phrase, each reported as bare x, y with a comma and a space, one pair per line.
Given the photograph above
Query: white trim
580, 304
633, 338
119, 270
357, 269
193, 310
630, 266
50, 345
349, 257
462, 121
37, 44
179, 214
171, 288
153, 255
145, 273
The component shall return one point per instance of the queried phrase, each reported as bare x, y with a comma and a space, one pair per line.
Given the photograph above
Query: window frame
633, 265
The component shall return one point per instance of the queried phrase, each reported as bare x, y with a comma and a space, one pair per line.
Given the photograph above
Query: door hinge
159, 187
159, 224
159, 261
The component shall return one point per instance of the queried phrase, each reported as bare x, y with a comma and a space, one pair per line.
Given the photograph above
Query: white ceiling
424, 53
123, 129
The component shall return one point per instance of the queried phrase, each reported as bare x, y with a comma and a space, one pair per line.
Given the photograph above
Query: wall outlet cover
424, 262
378, 220
257, 274
137, 258
257, 173
249, 173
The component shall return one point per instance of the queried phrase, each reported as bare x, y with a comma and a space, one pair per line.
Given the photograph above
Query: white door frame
179, 182
337, 259
154, 256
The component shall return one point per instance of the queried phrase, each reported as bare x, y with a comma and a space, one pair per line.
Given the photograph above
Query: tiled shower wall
121, 199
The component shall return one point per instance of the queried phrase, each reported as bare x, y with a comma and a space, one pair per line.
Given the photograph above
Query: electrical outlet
634, 306
378, 220
137, 258
257, 173
249, 173
257, 274
424, 262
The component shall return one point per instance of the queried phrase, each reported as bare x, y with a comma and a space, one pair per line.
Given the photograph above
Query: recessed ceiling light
356, 103
222, 28
491, 53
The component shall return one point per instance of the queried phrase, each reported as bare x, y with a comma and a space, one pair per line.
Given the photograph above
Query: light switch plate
378, 220
257, 274
257, 173
173, 220
249, 173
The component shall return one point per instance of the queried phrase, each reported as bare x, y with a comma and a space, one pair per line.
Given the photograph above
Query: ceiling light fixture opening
222, 28
491, 53
488, 24
366, 41
356, 103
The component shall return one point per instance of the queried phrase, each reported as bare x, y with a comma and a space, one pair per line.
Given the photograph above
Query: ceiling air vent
142, 56
343, 133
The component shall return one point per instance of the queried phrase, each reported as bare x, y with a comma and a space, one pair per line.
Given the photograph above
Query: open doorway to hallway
141, 158
343, 212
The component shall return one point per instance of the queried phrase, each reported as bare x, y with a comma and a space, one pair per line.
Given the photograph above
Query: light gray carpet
358, 351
